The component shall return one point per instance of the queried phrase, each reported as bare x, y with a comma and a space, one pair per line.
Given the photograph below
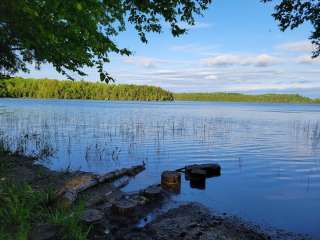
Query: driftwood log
68, 194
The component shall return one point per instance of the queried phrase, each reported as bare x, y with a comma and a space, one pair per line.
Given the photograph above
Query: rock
124, 207
197, 178
197, 174
105, 206
46, 232
92, 216
211, 169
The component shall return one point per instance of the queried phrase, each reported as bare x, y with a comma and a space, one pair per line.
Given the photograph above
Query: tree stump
171, 180
153, 192
124, 207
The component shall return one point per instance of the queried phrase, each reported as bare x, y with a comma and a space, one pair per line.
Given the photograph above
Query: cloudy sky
235, 47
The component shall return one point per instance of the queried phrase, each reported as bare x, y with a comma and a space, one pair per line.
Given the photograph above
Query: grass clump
22, 208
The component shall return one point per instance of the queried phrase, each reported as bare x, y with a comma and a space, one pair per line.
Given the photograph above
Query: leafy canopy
77, 33
74, 34
292, 13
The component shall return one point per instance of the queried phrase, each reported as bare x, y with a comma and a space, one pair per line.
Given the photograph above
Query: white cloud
307, 59
300, 46
145, 62
262, 60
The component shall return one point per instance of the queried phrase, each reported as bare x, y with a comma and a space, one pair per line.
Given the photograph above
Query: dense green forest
45, 88
237, 97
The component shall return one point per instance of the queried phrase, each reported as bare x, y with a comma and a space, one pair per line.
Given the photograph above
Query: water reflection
269, 153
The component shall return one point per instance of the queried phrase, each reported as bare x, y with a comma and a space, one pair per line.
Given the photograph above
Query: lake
269, 153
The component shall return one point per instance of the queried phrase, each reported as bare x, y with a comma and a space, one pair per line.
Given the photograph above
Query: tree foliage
292, 13
237, 97
45, 88
82, 33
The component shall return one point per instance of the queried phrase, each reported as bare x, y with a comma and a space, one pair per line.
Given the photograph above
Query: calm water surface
269, 153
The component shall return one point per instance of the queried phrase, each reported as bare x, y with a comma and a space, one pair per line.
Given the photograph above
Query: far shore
66, 89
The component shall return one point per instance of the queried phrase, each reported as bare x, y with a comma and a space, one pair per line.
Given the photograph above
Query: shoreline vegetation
66, 89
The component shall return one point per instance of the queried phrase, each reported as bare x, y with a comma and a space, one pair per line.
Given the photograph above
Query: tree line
66, 89
238, 97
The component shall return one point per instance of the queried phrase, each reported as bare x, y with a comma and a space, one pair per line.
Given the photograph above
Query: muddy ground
189, 221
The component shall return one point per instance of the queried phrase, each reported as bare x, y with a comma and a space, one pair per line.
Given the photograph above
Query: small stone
92, 215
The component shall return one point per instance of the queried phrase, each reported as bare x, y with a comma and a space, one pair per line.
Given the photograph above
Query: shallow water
269, 153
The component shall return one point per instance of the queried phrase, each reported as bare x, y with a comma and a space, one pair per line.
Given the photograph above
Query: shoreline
187, 221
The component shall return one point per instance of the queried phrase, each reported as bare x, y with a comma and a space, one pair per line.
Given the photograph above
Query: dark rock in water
46, 232
211, 169
197, 178
92, 215
197, 174
124, 207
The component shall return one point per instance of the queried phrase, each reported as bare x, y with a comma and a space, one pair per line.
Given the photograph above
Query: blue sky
235, 47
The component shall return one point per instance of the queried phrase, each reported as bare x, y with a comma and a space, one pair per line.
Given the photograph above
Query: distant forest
46, 88
238, 97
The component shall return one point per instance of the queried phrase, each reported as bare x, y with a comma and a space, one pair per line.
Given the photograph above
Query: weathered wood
124, 207
68, 194
120, 173
171, 180
153, 192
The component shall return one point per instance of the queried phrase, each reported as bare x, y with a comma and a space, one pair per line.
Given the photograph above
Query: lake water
269, 153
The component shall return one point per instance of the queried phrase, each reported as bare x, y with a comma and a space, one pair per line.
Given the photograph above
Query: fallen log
68, 194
